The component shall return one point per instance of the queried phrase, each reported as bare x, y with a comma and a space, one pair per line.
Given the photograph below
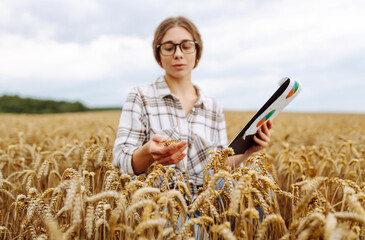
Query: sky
96, 51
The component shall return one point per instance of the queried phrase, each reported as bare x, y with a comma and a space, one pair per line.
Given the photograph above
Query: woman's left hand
262, 138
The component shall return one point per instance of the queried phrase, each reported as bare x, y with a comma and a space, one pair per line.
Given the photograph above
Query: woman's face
179, 65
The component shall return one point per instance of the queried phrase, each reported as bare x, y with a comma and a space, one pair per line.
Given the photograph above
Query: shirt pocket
200, 152
203, 144
205, 132
169, 133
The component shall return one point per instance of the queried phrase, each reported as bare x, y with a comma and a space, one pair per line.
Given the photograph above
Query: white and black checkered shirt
153, 109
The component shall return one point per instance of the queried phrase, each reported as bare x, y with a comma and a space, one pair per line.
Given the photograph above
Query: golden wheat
57, 181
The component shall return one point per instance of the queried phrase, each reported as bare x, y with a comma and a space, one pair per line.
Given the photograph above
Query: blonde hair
176, 22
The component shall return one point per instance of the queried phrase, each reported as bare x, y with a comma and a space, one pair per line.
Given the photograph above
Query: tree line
16, 104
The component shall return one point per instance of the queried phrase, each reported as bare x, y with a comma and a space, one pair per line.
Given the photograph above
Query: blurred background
91, 53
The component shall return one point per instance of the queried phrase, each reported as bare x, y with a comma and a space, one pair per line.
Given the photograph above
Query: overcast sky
96, 51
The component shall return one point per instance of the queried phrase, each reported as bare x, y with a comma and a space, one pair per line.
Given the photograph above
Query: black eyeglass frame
178, 44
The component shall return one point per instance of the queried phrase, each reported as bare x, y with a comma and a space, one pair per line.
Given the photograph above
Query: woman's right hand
166, 155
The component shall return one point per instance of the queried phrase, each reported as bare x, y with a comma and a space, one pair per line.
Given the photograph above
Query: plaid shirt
153, 109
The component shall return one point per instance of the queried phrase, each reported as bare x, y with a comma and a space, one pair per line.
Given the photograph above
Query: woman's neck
185, 91
181, 87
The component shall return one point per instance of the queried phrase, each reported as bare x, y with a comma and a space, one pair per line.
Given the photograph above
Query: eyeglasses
169, 48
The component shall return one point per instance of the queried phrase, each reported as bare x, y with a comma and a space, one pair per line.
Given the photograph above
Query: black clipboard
286, 92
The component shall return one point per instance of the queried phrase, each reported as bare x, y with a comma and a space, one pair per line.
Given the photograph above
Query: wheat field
57, 182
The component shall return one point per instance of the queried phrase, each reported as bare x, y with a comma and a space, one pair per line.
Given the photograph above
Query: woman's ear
196, 62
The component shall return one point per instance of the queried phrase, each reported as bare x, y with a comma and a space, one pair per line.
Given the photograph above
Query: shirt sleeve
222, 138
131, 132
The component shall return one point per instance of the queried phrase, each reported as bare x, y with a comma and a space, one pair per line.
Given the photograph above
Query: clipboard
287, 91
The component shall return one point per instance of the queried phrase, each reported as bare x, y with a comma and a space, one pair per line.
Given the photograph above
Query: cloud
284, 31
89, 49
47, 59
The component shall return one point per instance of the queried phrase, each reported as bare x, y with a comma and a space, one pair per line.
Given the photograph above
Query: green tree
16, 104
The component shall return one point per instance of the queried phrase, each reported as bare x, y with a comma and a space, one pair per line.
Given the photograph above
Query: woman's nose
178, 51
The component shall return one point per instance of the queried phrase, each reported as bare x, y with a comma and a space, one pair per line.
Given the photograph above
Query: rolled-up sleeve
222, 139
131, 132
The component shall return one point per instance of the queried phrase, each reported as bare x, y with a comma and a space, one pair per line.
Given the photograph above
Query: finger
159, 138
178, 144
163, 161
269, 124
176, 155
173, 151
175, 161
158, 150
161, 150
171, 160
181, 157
260, 142
265, 129
263, 136
176, 147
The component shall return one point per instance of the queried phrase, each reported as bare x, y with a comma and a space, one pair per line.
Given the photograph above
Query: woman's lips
179, 66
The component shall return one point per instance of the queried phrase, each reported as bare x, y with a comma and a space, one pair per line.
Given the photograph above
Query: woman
173, 108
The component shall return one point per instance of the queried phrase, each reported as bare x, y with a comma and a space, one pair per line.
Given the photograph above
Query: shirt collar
164, 91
